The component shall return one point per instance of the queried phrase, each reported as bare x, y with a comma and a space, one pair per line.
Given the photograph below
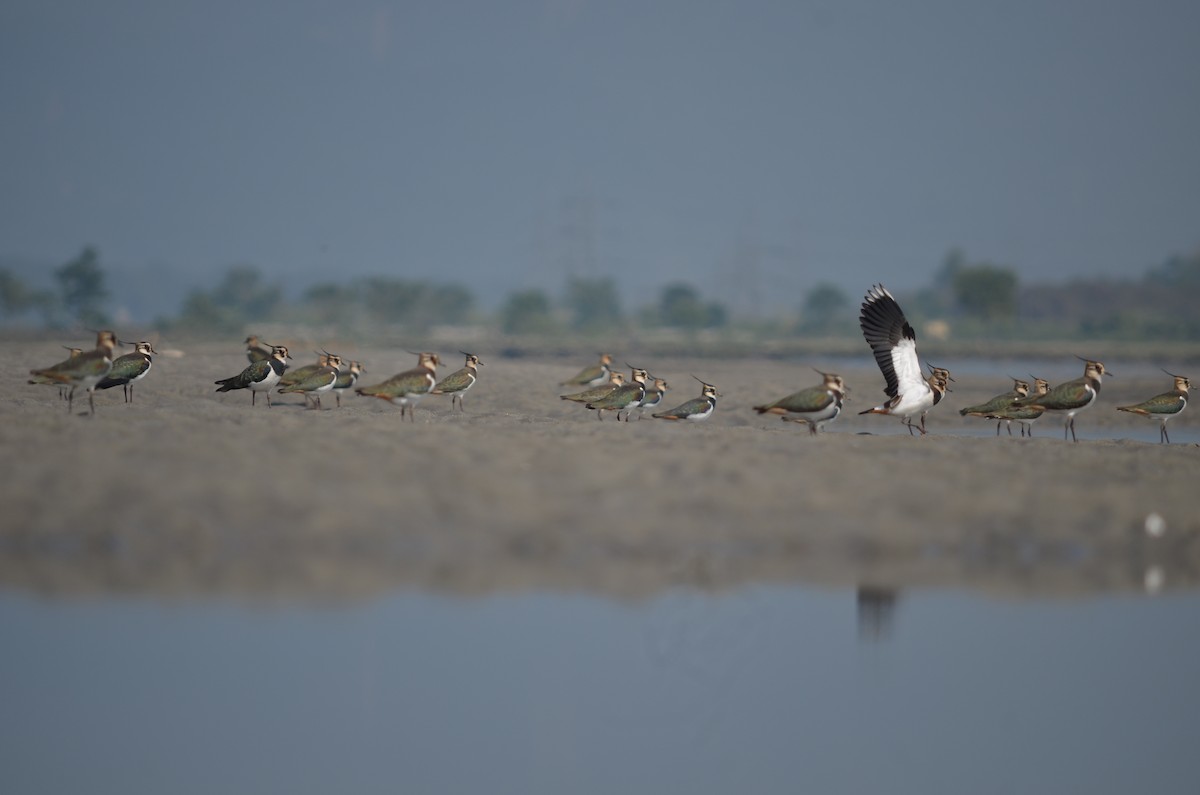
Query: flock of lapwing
911, 394
608, 391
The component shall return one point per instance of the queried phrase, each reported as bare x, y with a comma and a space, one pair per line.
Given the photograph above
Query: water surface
757, 689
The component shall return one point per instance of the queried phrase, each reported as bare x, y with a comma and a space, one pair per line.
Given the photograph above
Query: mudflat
185, 491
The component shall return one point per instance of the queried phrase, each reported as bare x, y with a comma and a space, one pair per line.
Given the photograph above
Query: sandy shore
188, 492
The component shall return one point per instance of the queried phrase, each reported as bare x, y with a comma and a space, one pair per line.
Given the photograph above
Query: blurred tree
1177, 271
717, 315
527, 312
242, 290
81, 288
240, 298
331, 303
14, 294
679, 305
390, 300
952, 264
823, 309
200, 313
450, 303
593, 303
987, 292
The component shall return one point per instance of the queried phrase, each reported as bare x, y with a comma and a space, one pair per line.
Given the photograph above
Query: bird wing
410, 382
1064, 396
85, 365
620, 397
997, 403
814, 398
57, 372
586, 375
588, 395
295, 376
127, 368
1166, 403
693, 406
455, 382
892, 340
315, 381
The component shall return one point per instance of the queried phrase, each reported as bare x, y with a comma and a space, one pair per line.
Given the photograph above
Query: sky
751, 148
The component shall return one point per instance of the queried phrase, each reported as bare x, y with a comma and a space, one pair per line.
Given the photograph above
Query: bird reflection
876, 611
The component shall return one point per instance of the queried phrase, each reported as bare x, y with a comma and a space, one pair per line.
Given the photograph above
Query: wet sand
186, 492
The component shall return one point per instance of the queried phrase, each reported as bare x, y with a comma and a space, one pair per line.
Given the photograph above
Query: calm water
757, 690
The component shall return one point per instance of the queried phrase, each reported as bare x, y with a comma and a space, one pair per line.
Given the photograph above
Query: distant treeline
965, 300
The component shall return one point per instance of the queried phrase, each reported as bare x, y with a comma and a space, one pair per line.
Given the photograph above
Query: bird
696, 409
457, 383
318, 383
255, 352
128, 369
894, 344
814, 406
260, 376
595, 375
1073, 396
63, 389
998, 403
654, 395
406, 388
615, 379
1025, 416
1163, 407
939, 381
624, 398
347, 379
85, 370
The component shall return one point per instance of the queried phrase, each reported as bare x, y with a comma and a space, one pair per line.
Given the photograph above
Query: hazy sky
507, 143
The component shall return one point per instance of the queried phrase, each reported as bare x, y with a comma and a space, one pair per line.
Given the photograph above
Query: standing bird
63, 389
814, 406
1163, 407
939, 381
999, 403
255, 352
624, 398
595, 375
85, 370
1026, 415
260, 376
894, 344
1073, 396
696, 409
615, 379
318, 383
406, 388
457, 383
129, 368
654, 395
346, 380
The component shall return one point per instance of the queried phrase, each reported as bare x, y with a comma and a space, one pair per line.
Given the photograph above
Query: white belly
271, 380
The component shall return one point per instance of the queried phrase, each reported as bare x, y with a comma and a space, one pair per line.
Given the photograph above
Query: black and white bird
894, 344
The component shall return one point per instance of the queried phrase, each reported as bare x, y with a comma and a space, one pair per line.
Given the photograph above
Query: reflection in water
276, 567
876, 611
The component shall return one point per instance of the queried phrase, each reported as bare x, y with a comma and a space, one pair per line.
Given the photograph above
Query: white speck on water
1154, 580
1155, 525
